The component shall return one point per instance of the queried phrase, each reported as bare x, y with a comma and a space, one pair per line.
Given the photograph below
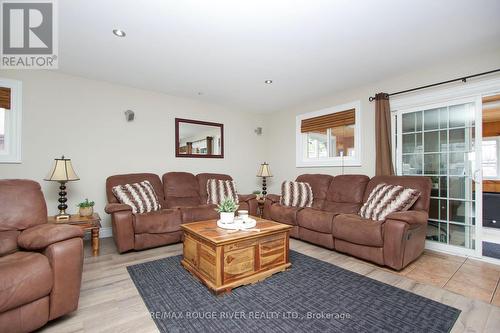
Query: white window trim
13, 122
497, 139
301, 162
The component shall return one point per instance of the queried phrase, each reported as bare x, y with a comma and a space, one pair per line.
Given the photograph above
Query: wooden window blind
5, 98
331, 120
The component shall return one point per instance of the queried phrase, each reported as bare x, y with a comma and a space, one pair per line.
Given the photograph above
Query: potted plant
258, 194
86, 208
226, 210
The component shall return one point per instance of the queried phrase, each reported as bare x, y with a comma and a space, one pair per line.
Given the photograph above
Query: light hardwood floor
109, 301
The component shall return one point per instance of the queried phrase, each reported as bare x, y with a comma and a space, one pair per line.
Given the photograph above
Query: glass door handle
476, 175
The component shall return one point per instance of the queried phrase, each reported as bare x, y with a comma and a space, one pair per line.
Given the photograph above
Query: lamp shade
264, 170
62, 171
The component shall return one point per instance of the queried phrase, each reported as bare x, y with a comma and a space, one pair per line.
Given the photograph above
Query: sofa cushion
314, 219
296, 194
8, 242
355, 229
181, 189
140, 196
319, 185
25, 277
219, 190
202, 179
386, 199
347, 189
284, 214
199, 213
130, 178
161, 221
22, 204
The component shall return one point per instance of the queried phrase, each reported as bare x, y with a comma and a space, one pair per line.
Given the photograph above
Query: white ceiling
226, 49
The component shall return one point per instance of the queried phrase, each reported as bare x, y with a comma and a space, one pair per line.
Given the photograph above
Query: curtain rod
463, 79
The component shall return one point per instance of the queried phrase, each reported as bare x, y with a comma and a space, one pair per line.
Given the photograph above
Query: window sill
10, 161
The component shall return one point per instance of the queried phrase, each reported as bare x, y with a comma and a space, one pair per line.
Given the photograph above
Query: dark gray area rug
312, 296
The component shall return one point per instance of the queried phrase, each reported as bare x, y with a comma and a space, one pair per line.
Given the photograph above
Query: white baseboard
106, 232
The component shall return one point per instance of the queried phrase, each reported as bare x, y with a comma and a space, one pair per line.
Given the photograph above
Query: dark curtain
383, 135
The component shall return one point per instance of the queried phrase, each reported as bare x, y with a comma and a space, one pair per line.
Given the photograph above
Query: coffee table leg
95, 241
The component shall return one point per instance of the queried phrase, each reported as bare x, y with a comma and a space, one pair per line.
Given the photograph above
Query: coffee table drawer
272, 252
239, 263
207, 262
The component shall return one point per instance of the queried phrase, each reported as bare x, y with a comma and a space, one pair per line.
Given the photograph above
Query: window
491, 151
10, 121
329, 137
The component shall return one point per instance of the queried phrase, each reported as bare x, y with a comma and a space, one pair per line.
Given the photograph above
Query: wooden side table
90, 223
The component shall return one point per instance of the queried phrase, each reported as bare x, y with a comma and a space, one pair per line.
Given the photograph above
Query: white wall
83, 119
280, 152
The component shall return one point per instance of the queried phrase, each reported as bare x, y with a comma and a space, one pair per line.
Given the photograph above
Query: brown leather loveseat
40, 263
183, 199
333, 222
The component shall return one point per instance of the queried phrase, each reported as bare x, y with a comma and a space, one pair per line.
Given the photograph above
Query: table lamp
62, 172
264, 172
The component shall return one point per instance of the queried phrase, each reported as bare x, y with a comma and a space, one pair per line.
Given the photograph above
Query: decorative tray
238, 224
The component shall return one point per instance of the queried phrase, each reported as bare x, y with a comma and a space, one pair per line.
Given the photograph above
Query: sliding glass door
439, 141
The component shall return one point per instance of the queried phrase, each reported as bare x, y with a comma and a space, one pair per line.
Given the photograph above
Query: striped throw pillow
140, 196
385, 199
218, 190
296, 194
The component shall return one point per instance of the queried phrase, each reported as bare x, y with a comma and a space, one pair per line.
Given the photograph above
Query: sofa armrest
274, 198
116, 207
123, 228
246, 197
43, 235
66, 261
411, 217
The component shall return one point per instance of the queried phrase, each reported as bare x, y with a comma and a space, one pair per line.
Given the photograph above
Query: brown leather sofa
183, 198
332, 221
40, 263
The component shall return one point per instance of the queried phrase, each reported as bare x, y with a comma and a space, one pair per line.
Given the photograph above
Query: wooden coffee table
224, 259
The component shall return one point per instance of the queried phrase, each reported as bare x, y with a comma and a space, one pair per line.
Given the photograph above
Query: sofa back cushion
421, 184
181, 189
202, 183
319, 185
345, 194
22, 204
134, 178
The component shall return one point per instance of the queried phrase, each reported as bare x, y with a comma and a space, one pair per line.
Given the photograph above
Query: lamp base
62, 217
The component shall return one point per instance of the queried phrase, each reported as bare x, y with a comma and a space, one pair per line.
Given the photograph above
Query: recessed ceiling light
119, 33
268, 81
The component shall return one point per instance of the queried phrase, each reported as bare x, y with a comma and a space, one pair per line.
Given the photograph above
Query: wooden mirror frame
198, 122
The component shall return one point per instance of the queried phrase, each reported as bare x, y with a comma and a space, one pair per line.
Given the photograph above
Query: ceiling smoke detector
268, 81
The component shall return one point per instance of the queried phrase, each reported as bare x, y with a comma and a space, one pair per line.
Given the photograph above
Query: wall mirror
202, 139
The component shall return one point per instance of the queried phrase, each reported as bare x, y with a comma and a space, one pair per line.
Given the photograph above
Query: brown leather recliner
40, 263
183, 198
332, 221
